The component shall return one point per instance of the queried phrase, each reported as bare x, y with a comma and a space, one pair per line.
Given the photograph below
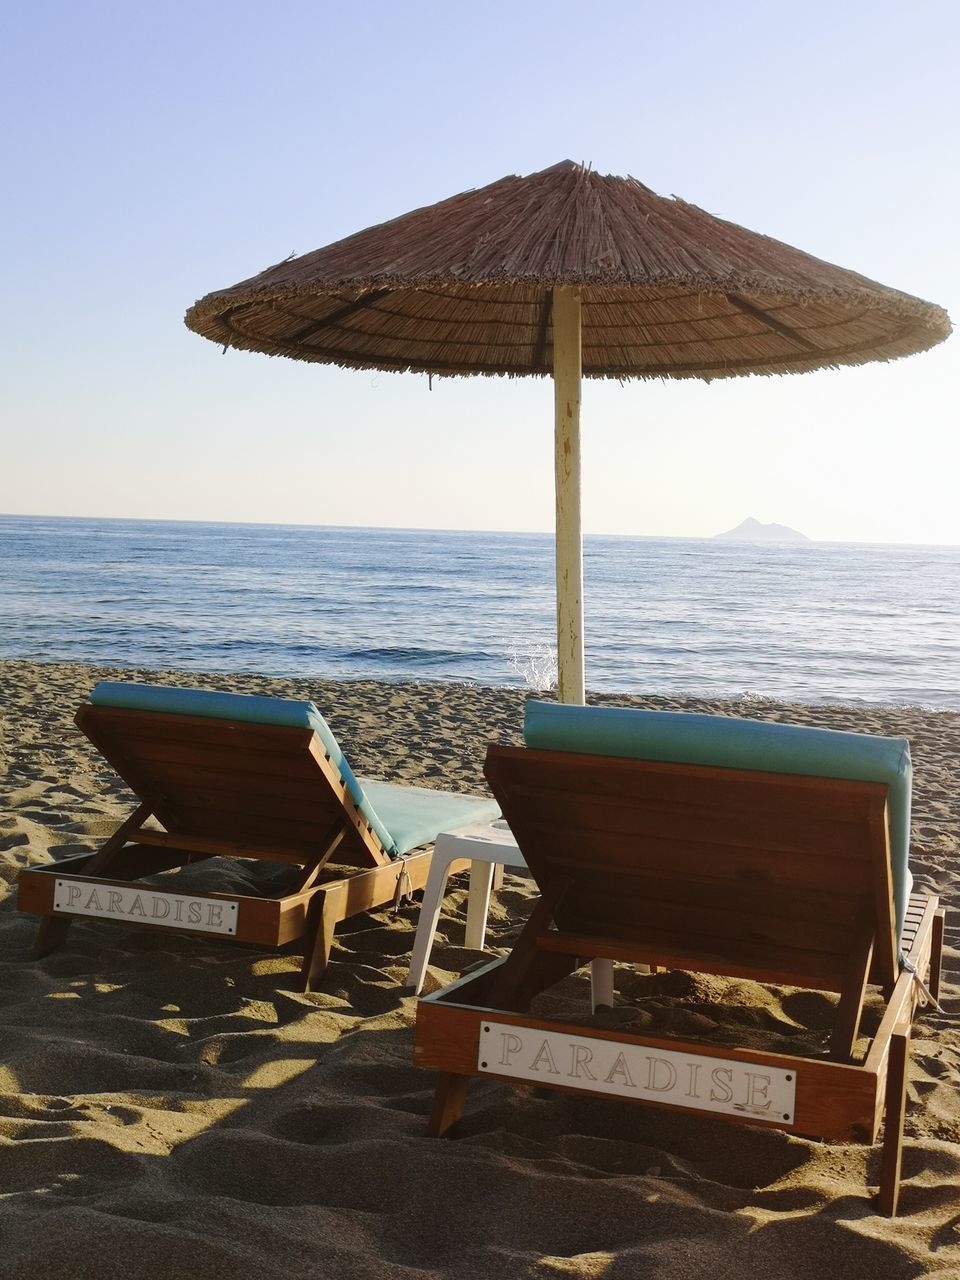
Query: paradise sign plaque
638, 1071
142, 904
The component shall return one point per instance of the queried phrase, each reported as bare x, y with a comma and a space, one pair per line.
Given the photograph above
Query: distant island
754, 531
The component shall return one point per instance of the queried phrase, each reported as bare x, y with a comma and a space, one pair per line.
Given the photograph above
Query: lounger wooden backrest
270, 790
775, 877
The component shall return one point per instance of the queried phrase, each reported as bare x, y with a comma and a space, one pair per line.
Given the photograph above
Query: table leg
601, 983
478, 903
429, 915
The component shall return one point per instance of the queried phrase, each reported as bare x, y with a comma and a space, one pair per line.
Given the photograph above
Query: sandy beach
168, 1106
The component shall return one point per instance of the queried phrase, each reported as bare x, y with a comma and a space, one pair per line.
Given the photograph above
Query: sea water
809, 622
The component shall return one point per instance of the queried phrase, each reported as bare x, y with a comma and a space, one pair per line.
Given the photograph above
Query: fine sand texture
169, 1107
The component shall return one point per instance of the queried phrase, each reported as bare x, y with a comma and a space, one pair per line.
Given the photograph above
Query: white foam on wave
536, 664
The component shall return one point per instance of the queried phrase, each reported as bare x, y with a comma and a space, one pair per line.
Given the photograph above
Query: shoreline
166, 1102
599, 697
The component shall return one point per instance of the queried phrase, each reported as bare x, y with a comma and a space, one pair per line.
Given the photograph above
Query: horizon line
533, 533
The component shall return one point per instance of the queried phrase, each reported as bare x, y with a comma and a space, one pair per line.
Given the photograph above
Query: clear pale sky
156, 152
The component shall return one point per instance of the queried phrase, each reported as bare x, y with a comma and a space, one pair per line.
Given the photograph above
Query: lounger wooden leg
126, 831
312, 870
895, 1104
854, 991
52, 932
936, 952
519, 965
324, 915
448, 1102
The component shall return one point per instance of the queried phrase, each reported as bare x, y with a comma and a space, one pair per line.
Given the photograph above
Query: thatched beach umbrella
567, 273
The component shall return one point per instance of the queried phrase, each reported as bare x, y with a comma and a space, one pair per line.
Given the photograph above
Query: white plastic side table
487, 845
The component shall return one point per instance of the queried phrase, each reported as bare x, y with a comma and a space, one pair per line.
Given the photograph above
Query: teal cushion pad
423, 814
678, 737
202, 702
416, 815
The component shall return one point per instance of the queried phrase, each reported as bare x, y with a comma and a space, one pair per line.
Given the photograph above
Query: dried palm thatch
667, 290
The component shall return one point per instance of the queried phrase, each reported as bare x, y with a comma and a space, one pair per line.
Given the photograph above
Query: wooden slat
917, 907
277, 831
373, 888
694, 860
260, 792
630, 915
137, 860
688, 901
364, 890
213, 848
885, 967
295, 765
123, 724
691, 900
362, 836
708, 788
789, 966
644, 823
312, 809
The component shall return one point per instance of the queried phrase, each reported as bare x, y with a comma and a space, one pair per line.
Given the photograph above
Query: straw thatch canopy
667, 290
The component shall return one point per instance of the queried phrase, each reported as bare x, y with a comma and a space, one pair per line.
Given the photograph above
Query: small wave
401, 654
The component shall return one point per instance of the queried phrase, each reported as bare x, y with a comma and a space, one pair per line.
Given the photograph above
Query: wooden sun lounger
775, 877
224, 788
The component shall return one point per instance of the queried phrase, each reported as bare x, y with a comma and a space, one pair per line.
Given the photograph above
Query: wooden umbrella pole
566, 380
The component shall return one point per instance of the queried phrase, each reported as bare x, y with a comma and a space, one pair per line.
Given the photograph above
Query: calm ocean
815, 622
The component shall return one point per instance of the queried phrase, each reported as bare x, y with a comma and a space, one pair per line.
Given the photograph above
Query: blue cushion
247, 707
417, 815
728, 742
200, 702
